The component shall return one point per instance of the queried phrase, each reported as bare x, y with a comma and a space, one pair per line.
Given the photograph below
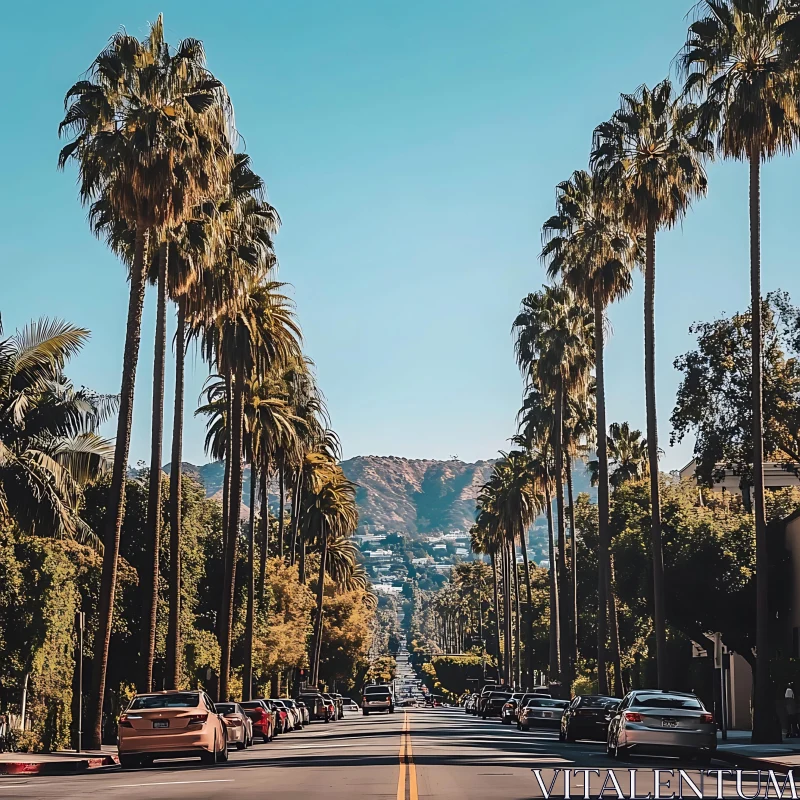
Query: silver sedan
669, 723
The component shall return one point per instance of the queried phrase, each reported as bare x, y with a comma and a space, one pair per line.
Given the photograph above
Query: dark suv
494, 704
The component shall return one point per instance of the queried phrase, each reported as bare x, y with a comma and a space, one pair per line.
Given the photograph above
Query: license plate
669, 723
547, 714
161, 723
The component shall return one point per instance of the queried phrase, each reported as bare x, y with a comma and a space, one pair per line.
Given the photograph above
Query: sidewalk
61, 762
739, 752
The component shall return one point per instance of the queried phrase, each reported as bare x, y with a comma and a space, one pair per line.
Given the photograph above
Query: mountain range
412, 495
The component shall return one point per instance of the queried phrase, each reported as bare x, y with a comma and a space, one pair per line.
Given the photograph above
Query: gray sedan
662, 722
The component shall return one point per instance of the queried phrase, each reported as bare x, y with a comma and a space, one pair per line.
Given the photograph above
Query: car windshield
665, 701
225, 708
598, 702
181, 700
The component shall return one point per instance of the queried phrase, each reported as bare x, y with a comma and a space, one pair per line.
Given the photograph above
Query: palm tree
49, 446
589, 245
627, 451
554, 350
741, 58
650, 155
483, 541
141, 143
329, 513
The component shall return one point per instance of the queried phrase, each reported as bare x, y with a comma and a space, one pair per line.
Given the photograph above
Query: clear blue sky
412, 149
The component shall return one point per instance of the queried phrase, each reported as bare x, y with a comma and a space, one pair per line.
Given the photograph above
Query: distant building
462, 551
439, 547
775, 477
419, 562
379, 555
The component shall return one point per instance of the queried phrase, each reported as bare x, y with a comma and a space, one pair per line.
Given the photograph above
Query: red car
263, 719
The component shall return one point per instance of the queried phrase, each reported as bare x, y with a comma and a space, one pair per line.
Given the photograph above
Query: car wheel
211, 756
619, 752
391, 710
222, 758
365, 712
569, 736
483, 716
526, 727
519, 726
241, 745
129, 762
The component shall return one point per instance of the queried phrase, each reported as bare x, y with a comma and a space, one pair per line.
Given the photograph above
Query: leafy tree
714, 400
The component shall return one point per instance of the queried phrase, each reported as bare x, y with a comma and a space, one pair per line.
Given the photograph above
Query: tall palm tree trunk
573, 571
602, 493
518, 643
563, 582
173, 676
763, 708
302, 569
554, 666
226, 491
296, 495
320, 603
528, 611
247, 677
153, 530
235, 499
652, 453
281, 501
498, 651
115, 509
264, 529
509, 616
613, 627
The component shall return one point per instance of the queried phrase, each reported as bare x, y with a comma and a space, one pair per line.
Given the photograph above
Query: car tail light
633, 716
706, 718
233, 723
197, 719
508, 705
124, 722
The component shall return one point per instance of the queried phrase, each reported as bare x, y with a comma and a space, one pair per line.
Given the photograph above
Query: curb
743, 761
60, 767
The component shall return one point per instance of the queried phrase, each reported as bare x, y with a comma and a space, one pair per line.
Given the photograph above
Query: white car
350, 706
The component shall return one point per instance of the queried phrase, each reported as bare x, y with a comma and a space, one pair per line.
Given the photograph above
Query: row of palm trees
152, 136
740, 99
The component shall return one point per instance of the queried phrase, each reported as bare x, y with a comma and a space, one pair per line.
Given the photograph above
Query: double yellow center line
408, 772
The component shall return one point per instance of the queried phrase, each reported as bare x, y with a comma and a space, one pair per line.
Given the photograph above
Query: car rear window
546, 702
225, 708
665, 701
249, 704
598, 702
182, 700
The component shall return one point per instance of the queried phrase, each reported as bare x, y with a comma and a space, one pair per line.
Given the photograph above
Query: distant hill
413, 495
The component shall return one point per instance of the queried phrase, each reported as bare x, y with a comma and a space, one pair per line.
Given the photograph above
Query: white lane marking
14, 785
168, 783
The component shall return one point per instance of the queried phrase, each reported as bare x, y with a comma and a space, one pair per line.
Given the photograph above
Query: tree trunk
264, 528
613, 627
226, 487
320, 603
115, 510
247, 678
281, 501
573, 572
652, 453
518, 644
509, 616
153, 530
173, 676
498, 651
235, 499
563, 582
529, 611
765, 727
602, 494
554, 666
302, 571
296, 495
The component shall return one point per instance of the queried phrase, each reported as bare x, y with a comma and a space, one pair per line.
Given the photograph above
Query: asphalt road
441, 754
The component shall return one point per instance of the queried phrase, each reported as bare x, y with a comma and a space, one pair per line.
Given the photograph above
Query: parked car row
645, 721
184, 724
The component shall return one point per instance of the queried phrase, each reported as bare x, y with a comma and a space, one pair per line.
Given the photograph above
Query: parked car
333, 710
377, 698
317, 707
469, 703
509, 713
288, 717
171, 725
486, 690
494, 704
433, 700
587, 717
339, 700
350, 706
239, 726
304, 712
297, 712
652, 721
263, 717
541, 712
